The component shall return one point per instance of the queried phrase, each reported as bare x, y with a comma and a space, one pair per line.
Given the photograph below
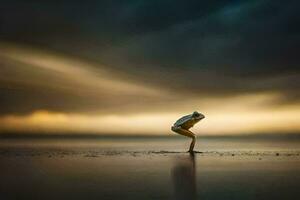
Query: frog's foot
191, 151
194, 152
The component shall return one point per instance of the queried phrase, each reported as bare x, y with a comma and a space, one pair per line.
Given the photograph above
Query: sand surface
137, 169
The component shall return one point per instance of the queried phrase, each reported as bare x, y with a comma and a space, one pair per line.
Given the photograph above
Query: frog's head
198, 115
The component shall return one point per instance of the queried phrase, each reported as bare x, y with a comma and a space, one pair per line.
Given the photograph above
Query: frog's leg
187, 133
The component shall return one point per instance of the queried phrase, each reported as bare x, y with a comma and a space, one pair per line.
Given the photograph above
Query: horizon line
68, 135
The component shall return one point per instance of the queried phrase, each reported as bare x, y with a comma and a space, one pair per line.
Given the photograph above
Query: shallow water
145, 168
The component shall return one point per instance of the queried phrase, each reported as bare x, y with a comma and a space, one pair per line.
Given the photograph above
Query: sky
136, 66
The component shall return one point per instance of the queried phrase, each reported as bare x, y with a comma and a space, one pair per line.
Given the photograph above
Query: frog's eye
196, 114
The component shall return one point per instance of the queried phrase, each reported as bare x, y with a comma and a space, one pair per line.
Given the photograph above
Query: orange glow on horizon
215, 123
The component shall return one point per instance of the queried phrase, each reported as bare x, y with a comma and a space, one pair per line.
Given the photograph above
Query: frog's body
187, 121
182, 126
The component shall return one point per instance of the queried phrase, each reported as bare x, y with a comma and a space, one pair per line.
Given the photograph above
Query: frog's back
183, 120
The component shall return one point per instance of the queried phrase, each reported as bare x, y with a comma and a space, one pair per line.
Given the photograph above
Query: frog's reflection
184, 177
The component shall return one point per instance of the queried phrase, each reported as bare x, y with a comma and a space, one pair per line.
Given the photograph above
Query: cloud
143, 57
34, 79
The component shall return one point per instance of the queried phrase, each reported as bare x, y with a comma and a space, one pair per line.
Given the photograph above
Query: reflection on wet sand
184, 177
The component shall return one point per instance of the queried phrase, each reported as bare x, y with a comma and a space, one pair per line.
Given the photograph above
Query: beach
149, 168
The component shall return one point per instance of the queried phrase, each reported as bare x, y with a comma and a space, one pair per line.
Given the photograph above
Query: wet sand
102, 171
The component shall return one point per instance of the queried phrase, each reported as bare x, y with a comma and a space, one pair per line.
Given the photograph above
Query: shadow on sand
184, 177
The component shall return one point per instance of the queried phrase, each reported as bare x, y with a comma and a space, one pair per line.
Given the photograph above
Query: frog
183, 124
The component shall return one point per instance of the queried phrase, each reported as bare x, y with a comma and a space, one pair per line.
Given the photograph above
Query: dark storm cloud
240, 35
195, 48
